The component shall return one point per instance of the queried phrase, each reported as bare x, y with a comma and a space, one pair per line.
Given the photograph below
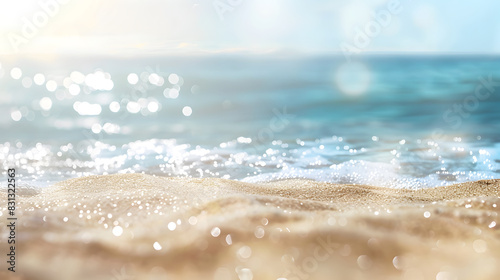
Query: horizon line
243, 52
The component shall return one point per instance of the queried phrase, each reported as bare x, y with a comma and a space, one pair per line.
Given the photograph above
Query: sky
255, 26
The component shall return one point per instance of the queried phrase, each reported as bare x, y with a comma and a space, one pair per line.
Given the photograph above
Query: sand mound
134, 226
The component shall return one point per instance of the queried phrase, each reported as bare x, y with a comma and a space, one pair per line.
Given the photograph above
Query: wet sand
134, 226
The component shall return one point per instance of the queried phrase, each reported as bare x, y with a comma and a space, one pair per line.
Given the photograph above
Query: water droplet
364, 262
215, 232
244, 253
172, 226
157, 246
398, 262
259, 232
117, 231
479, 246
193, 220
244, 274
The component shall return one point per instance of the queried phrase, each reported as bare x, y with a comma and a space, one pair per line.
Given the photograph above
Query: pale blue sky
194, 26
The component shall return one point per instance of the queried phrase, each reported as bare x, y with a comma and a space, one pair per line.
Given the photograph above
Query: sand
135, 226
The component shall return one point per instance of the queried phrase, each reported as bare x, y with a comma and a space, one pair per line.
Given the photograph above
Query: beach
249, 140
137, 226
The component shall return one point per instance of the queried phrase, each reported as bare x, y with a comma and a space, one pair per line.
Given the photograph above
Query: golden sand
134, 226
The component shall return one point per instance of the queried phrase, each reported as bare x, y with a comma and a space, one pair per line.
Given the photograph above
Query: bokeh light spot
173, 78
187, 111
16, 115
51, 85
39, 79
117, 231
74, 89
132, 78
16, 73
114, 107
46, 103
353, 78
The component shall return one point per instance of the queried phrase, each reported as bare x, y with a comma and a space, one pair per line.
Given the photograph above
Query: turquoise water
397, 121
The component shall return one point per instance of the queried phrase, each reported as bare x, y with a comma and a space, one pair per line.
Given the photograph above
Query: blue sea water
395, 121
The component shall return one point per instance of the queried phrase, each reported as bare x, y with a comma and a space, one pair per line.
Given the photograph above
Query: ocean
397, 121
250, 167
